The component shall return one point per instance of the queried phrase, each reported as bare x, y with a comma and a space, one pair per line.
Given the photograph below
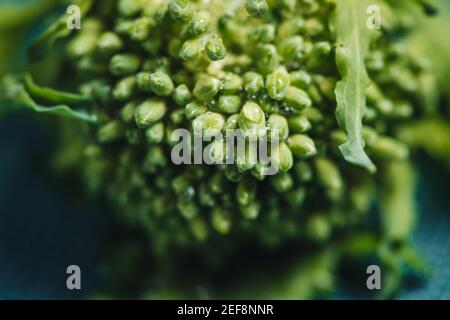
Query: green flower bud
206, 88
208, 124
129, 8
127, 113
179, 10
292, 48
206, 197
217, 152
230, 104
313, 27
194, 109
322, 48
190, 50
215, 49
82, 45
174, 48
296, 197
233, 174
122, 26
157, 64
318, 227
231, 83
183, 77
92, 151
251, 212
232, 123
124, 64
282, 157
289, 27
299, 124
109, 43
246, 191
253, 82
152, 45
389, 149
161, 84
100, 90
149, 112
278, 125
338, 137
155, 134
134, 136
182, 95
177, 116
199, 228
326, 86
257, 8
125, 88
263, 34
329, 177
88, 66
199, 24
140, 29
259, 172
277, 84
302, 146
267, 104
297, 98
143, 81
221, 220
301, 79
267, 59
188, 210
252, 119
303, 171
282, 182
110, 132
183, 188
217, 183
159, 11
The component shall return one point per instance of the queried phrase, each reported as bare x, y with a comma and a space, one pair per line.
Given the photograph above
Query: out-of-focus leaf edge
18, 92
56, 31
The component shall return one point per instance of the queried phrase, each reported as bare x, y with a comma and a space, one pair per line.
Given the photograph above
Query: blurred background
44, 228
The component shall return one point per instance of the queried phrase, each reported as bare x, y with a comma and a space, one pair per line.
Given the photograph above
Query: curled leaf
353, 39
21, 91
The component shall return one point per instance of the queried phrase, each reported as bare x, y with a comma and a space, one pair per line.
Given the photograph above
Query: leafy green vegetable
266, 68
353, 39
17, 91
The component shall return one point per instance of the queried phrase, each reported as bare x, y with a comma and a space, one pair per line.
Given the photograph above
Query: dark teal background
44, 229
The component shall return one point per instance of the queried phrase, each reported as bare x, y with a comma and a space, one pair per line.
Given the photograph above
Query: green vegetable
353, 39
273, 71
257, 8
215, 49
206, 88
149, 112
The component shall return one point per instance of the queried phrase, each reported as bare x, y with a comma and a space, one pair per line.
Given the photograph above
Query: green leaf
13, 15
353, 39
58, 30
20, 91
